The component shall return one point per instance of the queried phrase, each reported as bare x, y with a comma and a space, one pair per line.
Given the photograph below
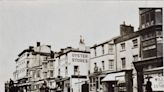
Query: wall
128, 54
73, 58
106, 56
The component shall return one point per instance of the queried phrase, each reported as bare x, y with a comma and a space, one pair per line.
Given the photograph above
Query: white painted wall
67, 61
128, 54
102, 57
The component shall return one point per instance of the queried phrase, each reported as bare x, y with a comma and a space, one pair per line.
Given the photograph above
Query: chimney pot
38, 44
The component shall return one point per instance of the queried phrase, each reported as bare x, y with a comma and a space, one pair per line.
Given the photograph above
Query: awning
115, 77
62, 79
24, 84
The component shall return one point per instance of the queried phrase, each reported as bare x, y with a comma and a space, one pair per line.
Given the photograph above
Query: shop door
85, 88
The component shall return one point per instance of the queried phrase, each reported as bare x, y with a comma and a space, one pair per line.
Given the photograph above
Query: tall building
128, 51
102, 61
30, 71
150, 67
123, 78
71, 68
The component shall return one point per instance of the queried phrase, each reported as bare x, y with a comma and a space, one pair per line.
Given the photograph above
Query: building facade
128, 51
71, 68
102, 61
150, 66
31, 71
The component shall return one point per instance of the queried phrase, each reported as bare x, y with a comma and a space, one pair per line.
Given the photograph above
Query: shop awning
24, 84
115, 77
62, 79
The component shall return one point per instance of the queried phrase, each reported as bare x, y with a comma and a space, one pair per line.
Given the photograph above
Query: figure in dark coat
148, 86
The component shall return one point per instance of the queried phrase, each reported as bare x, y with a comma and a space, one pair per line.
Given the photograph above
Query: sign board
157, 83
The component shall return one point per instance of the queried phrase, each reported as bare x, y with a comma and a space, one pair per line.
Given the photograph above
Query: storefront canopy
120, 76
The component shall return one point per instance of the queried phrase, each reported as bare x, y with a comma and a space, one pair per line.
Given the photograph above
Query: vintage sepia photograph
81, 46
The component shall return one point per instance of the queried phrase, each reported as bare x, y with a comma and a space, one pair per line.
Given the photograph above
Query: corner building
150, 67
33, 67
71, 68
102, 61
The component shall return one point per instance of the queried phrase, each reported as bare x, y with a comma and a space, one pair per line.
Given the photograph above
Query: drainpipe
116, 55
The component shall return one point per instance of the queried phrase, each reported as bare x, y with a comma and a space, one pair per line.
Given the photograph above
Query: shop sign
78, 57
157, 83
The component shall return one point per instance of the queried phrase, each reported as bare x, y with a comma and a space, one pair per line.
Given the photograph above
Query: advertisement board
157, 83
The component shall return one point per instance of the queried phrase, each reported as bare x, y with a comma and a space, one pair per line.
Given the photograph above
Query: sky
60, 23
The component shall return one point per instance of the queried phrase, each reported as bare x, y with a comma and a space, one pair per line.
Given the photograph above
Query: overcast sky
60, 23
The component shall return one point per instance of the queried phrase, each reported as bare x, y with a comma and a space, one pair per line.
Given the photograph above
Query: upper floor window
103, 49
111, 64
123, 62
27, 64
76, 70
66, 70
123, 46
28, 54
51, 63
95, 52
103, 65
51, 73
95, 67
135, 43
45, 74
45, 65
158, 16
135, 57
38, 73
110, 49
58, 72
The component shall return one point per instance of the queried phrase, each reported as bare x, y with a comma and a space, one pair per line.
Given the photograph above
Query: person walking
148, 86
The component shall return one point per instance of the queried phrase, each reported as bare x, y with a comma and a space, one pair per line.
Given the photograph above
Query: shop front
63, 85
118, 82
95, 83
148, 72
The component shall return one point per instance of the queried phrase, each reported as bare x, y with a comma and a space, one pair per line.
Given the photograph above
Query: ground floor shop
148, 72
120, 81
95, 81
72, 84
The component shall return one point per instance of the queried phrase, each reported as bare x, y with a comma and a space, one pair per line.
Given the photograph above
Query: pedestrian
148, 86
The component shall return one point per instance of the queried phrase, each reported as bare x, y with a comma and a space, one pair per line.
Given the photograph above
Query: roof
127, 37
71, 50
96, 45
26, 50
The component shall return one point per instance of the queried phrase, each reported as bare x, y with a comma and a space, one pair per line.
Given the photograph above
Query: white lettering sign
158, 83
80, 58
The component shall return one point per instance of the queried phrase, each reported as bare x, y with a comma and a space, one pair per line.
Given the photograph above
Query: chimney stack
126, 29
31, 47
38, 44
